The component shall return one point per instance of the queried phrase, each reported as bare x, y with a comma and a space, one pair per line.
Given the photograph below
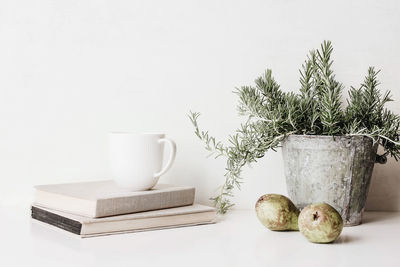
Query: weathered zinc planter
335, 170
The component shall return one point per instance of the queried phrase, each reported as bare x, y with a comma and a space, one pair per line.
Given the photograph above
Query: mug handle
172, 147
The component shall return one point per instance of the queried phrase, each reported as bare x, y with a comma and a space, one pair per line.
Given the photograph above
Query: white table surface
237, 240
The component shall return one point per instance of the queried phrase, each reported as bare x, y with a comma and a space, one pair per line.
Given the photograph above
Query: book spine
56, 220
156, 201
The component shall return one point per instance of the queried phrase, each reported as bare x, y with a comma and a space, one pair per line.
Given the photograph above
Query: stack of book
101, 208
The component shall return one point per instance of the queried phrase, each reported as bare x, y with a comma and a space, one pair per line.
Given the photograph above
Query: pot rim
328, 136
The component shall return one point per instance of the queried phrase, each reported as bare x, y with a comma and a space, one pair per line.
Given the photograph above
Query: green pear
320, 223
277, 212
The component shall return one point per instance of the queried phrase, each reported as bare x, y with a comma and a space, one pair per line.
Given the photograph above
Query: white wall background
71, 71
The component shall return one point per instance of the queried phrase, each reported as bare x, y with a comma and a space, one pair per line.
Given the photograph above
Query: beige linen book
104, 198
144, 221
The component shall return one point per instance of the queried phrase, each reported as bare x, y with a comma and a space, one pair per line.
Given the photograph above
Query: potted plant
329, 149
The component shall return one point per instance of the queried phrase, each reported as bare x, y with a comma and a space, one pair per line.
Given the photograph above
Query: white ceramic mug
136, 159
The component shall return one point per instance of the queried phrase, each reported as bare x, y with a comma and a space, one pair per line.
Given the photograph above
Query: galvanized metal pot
335, 170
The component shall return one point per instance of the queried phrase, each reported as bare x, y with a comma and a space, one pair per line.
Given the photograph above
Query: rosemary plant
316, 110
